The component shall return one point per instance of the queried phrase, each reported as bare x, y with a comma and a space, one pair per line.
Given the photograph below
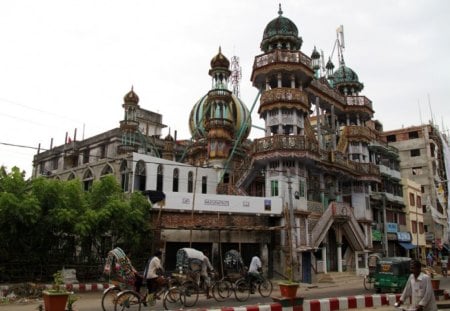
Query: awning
407, 245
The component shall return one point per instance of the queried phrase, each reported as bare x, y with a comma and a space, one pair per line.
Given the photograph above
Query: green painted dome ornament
281, 33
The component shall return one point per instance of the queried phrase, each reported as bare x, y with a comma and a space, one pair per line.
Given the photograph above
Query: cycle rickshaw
188, 276
237, 280
123, 294
127, 291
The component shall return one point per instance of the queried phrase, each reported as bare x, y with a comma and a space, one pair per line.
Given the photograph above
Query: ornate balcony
358, 133
285, 142
287, 96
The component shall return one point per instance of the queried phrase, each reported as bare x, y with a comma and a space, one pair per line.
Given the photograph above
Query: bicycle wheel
128, 300
241, 290
265, 288
368, 282
109, 298
189, 294
172, 299
221, 290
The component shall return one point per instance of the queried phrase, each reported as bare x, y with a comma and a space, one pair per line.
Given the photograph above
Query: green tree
114, 216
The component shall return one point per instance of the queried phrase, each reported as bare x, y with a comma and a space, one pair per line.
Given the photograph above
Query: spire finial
220, 49
280, 11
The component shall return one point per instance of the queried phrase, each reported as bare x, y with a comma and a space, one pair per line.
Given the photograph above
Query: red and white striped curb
350, 302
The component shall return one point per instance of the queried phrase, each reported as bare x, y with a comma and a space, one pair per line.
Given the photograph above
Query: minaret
282, 73
168, 152
219, 122
129, 125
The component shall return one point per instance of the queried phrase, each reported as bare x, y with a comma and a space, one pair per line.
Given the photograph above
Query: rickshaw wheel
368, 282
221, 290
189, 294
242, 290
172, 299
128, 300
109, 298
265, 288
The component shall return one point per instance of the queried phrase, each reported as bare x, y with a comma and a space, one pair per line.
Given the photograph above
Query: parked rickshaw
369, 279
392, 273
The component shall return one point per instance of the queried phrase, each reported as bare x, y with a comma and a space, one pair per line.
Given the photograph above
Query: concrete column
324, 257
339, 256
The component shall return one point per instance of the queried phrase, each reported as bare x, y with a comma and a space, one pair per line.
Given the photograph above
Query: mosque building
312, 192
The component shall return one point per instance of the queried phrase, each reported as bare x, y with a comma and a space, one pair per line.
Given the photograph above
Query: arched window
124, 176
140, 176
204, 184
106, 170
175, 180
159, 178
88, 180
190, 187
71, 176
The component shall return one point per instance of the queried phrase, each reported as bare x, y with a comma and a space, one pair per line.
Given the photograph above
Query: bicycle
245, 286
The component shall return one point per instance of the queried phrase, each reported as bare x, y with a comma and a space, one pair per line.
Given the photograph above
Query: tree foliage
52, 221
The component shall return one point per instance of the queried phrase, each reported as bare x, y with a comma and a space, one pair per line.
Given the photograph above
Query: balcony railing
286, 142
359, 101
356, 131
281, 56
283, 94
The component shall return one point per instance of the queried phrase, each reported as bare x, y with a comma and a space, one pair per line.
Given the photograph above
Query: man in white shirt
254, 271
152, 271
419, 288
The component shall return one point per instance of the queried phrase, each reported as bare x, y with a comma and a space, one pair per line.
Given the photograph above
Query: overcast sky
68, 64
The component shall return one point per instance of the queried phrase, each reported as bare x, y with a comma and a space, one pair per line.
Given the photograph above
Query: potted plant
55, 299
288, 288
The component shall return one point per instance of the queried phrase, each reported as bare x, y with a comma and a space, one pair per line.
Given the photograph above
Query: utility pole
293, 239
385, 240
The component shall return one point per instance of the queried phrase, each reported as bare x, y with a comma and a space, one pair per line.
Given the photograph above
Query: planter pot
55, 301
435, 283
289, 290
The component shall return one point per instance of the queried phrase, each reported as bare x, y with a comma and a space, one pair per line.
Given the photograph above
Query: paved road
92, 301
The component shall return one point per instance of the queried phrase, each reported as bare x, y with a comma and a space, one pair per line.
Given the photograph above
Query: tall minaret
129, 125
219, 121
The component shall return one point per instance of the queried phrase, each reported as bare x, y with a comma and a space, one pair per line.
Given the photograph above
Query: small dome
281, 29
220, 61
315, 54
346, 77
131, 97
329, 65
168, 138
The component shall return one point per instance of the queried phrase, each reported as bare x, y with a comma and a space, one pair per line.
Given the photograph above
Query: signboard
376, 235
404, 236
391, 227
